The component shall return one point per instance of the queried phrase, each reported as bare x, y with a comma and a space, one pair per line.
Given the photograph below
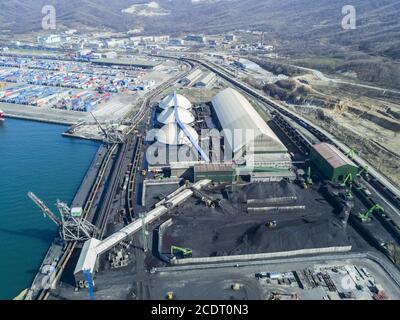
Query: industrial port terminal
202, 188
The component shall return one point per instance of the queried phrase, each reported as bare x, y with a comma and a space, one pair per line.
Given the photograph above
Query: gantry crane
112, 135
71, 227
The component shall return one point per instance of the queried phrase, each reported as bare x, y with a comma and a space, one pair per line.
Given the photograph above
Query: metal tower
71, 228
111, 135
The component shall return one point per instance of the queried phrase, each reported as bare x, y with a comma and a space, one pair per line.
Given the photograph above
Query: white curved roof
172, 134
168, 116
235, 113
169, 101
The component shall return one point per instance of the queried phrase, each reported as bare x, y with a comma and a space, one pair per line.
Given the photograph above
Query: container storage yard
67, 85
52, 97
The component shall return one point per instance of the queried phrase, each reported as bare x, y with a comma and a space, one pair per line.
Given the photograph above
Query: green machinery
365, 169
351, 154
179, 252
348, 179
365, 217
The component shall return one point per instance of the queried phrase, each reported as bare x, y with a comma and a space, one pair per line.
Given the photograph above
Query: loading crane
111, 136
365, 169
181, 252
365, 217
72, 227
349, 179
208, 201
351, 153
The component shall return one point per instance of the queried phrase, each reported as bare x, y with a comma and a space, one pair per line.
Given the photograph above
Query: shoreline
38, 119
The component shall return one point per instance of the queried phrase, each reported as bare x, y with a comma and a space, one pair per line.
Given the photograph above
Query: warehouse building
191, 78
206, 81
334, 165
256, 144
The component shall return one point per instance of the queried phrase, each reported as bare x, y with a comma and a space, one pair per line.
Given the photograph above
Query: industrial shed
191, 78
334, 165
206, 81
246, 134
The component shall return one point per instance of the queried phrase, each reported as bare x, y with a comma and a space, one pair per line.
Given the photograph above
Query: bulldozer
178, 252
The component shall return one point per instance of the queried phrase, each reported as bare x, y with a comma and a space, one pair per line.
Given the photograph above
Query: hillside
297, 27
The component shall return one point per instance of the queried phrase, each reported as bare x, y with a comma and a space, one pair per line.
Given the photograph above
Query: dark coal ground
230, 230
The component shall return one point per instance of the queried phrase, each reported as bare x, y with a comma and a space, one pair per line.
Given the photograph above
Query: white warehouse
246, 134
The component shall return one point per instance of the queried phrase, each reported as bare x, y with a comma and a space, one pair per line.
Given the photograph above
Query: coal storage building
334, 165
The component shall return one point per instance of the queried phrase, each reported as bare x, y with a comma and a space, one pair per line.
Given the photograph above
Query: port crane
365, 217
71, 227
111, 136
365, 169
349, 179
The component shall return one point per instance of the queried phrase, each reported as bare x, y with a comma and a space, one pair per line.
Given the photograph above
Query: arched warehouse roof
169, 101
235, 112
169, 116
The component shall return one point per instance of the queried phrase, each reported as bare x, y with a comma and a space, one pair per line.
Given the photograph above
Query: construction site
177, 205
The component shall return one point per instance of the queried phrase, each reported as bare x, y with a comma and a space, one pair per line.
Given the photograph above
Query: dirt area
118, 107
365, 118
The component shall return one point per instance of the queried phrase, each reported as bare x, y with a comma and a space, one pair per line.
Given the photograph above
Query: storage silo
171, 115
181, 101
173, 134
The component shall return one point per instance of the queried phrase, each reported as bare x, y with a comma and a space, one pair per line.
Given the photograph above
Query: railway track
130, 194
111, 192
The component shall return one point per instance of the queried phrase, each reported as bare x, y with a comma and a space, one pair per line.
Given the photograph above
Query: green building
334, 165
215, 172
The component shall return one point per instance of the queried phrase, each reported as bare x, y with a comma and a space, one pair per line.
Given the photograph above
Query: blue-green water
33, 157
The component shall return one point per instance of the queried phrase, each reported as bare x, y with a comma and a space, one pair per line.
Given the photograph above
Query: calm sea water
33, 157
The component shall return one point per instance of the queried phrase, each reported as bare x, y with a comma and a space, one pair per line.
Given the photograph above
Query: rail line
111, 192
130, 194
